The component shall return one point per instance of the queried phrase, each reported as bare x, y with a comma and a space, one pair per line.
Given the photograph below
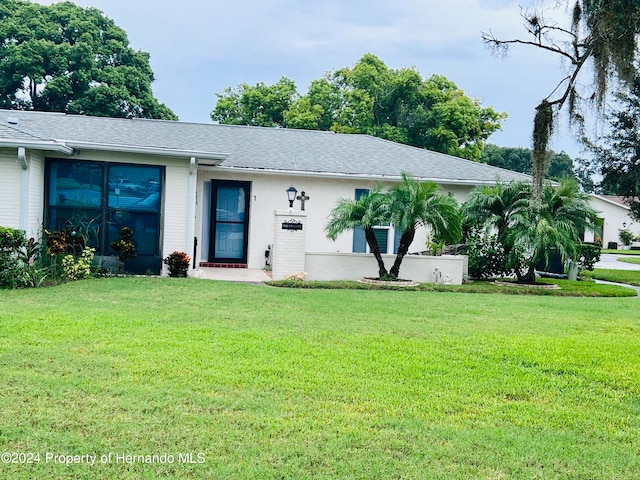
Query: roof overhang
142, 150
354, 176
611, 202
47, 145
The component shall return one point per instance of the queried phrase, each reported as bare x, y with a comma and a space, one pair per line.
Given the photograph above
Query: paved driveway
610, 260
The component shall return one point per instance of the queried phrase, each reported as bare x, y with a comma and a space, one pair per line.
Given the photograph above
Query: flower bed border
545, 286
391, 283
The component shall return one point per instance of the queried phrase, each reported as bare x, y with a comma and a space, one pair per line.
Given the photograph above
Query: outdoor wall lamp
291, 195
624, 224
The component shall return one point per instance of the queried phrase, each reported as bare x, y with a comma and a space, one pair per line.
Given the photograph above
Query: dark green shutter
359, 240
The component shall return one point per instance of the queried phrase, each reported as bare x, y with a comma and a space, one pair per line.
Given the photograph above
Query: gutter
37, 145
349, 176
170, 152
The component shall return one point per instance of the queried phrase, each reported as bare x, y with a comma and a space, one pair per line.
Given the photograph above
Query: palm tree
532, 230
415, 204
495, 205
367, 212
551, 224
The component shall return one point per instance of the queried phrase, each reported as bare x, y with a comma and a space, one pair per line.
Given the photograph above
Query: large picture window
100, 198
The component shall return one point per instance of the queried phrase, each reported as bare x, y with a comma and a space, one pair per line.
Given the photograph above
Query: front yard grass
621, 252
292, 383
630, 259
630, 277
567, 288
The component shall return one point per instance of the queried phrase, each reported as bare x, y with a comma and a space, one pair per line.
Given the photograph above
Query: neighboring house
615, 215
203, 188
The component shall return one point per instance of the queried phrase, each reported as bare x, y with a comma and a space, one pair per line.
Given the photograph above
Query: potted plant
626, 237
178, 263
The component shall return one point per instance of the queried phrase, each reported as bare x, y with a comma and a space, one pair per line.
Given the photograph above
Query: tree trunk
372, 241
528, 277
403, 248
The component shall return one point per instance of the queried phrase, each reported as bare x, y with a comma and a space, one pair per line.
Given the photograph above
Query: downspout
191, 204
24, 189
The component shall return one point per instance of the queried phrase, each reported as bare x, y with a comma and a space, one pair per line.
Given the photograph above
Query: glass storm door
229, 221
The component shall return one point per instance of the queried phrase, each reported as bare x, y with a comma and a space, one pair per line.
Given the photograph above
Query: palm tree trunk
403, 248
372, 241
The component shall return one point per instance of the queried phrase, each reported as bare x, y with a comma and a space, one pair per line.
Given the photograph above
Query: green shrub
589, 255
626, 237
178, 263
18, 260
78, 268
486, 254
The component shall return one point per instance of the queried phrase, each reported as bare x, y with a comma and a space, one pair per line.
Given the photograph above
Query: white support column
191, 206
289, 243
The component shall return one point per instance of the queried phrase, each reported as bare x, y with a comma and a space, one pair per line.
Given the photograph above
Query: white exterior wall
35, 194
449, 269
10, 182
288, 254
268, 194
614, 216
176, 202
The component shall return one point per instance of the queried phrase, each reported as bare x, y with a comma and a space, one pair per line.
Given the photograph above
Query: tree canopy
70, 59
601, 34
519, 159
617, 158
371, 98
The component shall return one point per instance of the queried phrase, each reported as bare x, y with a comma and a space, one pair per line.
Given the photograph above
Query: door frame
215, 184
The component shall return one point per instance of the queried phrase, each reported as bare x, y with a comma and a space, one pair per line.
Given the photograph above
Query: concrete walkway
632, 287
245, 275
610, 261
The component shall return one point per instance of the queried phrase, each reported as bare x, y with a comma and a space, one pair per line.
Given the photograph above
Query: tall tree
397, 105
70, 59
260, 105
518, 159
601, 34
618, 155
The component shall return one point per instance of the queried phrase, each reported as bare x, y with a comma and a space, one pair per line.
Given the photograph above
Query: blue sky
200, 47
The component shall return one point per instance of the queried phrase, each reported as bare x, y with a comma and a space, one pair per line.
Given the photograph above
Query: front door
229, 221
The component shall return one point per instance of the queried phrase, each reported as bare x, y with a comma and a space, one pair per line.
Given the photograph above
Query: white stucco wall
10, 182
449, 269
614, 216
268, 194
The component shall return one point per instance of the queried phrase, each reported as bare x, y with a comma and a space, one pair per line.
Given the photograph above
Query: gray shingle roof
267, 149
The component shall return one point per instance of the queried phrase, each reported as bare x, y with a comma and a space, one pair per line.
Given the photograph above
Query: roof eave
142, 150
611, 202
37, 145
355, 176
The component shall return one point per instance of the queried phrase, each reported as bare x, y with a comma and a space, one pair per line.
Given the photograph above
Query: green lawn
630, 259
621, 252
566, 288
630, 277
291, 383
